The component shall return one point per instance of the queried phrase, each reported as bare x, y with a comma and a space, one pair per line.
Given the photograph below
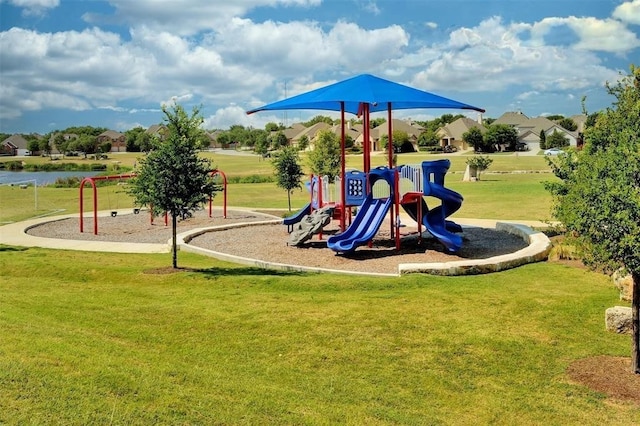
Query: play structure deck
380, 194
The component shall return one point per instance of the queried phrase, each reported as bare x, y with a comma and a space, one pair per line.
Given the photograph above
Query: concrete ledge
537, 251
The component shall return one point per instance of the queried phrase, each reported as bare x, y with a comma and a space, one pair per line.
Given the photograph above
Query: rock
309, 225
618, 319
624, 283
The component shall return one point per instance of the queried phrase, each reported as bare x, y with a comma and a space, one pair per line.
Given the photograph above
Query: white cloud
492, 57
371, 7
303, 47
233, 114
607, 35
187, 18
35, 7
628, 12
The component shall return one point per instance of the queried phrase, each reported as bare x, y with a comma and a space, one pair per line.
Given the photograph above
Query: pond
40, 178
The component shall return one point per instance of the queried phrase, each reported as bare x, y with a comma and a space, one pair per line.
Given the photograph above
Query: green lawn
499, 195
92, 338
89, 338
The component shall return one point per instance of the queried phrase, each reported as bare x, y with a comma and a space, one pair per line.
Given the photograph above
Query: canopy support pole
342, 171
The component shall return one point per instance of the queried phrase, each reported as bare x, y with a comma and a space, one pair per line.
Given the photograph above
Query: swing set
92, 181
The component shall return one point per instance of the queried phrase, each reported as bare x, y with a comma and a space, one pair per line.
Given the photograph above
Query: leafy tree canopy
325, 157
172, 178
319, 119
288, 171
598, 198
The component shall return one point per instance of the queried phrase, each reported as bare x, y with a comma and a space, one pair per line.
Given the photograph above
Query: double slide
364, 226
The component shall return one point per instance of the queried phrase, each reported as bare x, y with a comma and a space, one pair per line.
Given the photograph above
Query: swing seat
136, 211
114, 213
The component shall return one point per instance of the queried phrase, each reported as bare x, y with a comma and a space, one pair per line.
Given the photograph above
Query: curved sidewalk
15, 234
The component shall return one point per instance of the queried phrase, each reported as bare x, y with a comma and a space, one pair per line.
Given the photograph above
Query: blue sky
114, 63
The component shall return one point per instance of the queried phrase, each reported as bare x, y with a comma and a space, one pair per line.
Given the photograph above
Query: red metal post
342, 170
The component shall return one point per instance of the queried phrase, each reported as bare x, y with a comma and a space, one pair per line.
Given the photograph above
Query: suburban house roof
536, 125
111, 134
580, 120
511, 118
16, 141
156, 129
411, 129
297, 130
458, 127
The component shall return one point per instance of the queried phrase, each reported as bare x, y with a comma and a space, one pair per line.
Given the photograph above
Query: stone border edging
537, 250
184, 239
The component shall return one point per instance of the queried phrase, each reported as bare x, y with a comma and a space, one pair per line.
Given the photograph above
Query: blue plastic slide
364, 226
296, 217
434, 220
412, 211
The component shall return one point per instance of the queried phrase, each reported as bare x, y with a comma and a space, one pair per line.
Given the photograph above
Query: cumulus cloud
302, 47
187, 18
628, 12
608, 35
34, 7
492, 56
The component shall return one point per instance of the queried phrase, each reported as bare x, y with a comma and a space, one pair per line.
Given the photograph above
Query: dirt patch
609, 375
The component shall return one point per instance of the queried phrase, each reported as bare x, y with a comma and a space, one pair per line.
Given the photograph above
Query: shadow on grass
227, 272
12, 248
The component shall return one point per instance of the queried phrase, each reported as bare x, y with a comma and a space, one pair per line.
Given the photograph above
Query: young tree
543, 140
33, 145
325, 157
498, 135
400, 138
303, 143
288, 171
568, 124
428, 138
480, 163
172, 178
556, 140
598, 198
473, 137
279, 140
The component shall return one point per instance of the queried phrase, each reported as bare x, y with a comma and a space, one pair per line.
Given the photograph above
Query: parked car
522, 146
553, 151
450, 148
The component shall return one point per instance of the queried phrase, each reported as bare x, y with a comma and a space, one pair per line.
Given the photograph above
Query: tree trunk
635, 322
174, 236
289, 199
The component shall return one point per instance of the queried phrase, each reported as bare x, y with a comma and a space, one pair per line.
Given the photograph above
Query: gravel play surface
269, 242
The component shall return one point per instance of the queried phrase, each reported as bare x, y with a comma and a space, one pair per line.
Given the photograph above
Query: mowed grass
499, 195
94, 338
90, 338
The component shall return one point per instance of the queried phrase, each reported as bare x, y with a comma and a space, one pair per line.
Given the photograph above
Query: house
15, 145
213, 138
451, 133
159, 130
409, 127
529, 129
116, 139
529, 132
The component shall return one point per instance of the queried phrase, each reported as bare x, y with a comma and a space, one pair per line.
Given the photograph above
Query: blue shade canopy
365, 88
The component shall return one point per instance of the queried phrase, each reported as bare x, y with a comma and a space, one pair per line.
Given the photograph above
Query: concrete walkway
15, 234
